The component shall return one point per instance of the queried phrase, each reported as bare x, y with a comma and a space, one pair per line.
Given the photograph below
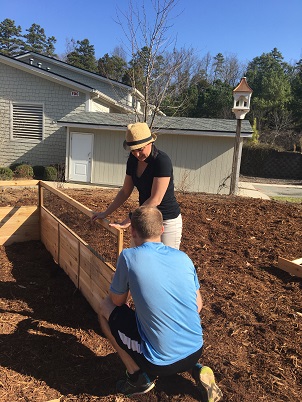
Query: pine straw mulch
51, 347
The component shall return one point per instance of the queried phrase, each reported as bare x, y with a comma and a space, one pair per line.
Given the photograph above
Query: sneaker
129, 388
205, 381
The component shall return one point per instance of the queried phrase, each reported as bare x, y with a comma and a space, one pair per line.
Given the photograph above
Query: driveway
278, 190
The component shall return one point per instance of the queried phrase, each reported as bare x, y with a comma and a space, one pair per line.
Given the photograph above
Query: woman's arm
119, 200
159, 188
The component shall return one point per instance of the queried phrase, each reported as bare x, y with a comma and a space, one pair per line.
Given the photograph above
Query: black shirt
158, 165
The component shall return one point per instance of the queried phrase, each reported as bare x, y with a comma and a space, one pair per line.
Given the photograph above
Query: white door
80, 157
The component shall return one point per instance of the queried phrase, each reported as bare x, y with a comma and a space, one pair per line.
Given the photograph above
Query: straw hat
137, 136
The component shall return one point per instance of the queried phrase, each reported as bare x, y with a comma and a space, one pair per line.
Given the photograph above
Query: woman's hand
123, 225
98, 215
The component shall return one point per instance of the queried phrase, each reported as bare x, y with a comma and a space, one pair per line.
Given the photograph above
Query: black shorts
122, 323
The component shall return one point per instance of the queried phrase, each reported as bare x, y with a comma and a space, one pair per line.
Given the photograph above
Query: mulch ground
51, 347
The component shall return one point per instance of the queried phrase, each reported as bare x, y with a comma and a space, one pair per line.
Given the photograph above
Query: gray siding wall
109, 158
200, 163
19, 86
114, 91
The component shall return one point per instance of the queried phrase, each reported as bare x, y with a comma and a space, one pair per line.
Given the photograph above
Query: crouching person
163, 335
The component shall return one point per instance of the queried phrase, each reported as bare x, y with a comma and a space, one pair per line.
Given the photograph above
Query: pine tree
83, 56
10, 38
218, 66
267, 76
113, 67
296, 104
36, 41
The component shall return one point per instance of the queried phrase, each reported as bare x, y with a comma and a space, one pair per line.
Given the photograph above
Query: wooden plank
8, 212
92, 298
293, 267
92, 293
101, 273
94, 277
94, 265
69, 254
100, 287
69, 243
20, 219
20, 236
50, 233
14, 183
18, 224
91, 287
70, 266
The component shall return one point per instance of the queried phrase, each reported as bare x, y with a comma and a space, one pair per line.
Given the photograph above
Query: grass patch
297, 200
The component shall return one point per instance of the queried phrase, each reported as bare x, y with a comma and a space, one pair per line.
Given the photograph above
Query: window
27, 121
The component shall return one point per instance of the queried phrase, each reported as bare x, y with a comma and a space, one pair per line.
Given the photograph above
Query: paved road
279, 190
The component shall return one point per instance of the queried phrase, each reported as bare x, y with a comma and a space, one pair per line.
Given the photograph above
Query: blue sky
245, 29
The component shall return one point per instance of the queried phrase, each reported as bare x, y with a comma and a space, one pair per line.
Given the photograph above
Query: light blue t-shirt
163, 284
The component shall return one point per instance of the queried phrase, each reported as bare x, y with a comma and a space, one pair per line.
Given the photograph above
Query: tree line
179, 83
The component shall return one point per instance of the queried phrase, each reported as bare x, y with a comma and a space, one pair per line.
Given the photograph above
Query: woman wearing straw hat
150, 171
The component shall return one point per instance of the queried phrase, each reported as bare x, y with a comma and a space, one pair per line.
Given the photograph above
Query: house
35, 92
52, 112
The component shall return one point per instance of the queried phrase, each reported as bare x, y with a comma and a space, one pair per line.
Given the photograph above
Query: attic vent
27, 121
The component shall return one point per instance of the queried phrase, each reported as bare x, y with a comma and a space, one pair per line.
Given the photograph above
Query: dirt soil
51, 347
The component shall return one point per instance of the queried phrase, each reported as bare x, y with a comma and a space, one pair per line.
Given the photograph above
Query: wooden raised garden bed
86, 267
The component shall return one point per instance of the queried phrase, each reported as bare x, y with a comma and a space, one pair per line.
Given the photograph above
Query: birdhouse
242, 99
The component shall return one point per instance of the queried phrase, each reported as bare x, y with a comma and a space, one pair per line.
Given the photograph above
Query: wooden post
41, 203
41, 195
234, 174
120, 242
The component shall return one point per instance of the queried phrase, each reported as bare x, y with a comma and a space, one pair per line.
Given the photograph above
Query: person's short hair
147, 221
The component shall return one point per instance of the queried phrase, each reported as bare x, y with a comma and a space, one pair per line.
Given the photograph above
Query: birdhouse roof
243, 86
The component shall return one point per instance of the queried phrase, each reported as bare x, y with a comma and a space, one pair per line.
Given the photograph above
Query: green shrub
60, 171
38, 172
13, 166
6, 173
24, 171
261, 146
50, 173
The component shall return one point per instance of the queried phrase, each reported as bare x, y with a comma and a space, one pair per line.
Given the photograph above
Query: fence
270, 163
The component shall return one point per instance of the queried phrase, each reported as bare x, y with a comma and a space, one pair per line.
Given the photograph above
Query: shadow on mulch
54, 337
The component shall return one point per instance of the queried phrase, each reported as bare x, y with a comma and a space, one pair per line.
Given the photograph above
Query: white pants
172, 232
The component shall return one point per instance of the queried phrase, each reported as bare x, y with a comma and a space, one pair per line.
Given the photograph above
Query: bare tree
233, 70
153, 53
281, 132
281, 120
206, 65
119, 51
70, 45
